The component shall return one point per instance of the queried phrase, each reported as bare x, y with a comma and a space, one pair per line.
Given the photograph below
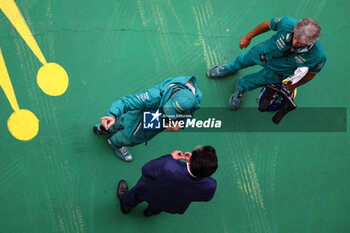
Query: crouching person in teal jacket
174, 98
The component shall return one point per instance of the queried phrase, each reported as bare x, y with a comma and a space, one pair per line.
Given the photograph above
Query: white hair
307, 31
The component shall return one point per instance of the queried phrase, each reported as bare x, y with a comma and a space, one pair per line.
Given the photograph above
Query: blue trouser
136, 195
252, 81
118, 138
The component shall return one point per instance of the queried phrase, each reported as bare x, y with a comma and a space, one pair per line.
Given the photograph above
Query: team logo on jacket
151, 120
299, 59
280, 43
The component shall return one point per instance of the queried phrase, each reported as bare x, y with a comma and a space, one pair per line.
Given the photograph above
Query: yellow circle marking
52, 79
23, 125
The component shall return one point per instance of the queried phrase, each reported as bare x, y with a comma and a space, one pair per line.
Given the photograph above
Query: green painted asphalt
64, 180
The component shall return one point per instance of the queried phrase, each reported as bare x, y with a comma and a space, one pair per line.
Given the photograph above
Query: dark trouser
136, 195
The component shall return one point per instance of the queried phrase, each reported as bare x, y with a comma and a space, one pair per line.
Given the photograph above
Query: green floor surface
64, 179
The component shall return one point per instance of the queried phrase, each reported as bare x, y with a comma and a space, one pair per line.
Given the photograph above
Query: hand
245, 41
107, 121
289, 86
187, 156
173, 128
177, 154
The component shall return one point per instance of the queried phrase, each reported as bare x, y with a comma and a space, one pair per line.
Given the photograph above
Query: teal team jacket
314, 59
274, 48
133, 106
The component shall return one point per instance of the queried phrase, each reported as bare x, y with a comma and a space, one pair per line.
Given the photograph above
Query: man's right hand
177, 154
107, 121
245, 41
261, 28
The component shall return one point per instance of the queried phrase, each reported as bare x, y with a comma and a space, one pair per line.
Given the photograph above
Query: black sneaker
99, 129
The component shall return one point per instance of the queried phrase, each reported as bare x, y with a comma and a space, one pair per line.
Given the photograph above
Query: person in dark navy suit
170, 185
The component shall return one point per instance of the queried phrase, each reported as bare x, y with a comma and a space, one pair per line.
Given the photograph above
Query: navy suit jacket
168, 186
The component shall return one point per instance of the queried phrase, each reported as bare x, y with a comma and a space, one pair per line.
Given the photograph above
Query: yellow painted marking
255, 185
51, 78
170, 4
6, 85
201, 38
209, 9
249, 184
22, 124
142, 13
12, 12
201, 15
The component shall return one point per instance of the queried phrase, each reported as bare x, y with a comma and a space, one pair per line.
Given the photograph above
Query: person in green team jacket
294, 45
175, 97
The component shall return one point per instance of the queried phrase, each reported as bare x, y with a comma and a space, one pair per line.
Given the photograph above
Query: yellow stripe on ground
22, 124
6, 85
51, 78
12, 12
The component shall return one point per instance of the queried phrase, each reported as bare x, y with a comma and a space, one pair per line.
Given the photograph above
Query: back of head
307, 31
203, 162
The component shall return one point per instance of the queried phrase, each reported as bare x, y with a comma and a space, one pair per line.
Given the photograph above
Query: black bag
275, 98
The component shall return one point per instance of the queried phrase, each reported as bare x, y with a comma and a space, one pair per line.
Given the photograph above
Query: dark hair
203, 162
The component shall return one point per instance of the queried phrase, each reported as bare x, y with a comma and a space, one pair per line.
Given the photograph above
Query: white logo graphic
151, 120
